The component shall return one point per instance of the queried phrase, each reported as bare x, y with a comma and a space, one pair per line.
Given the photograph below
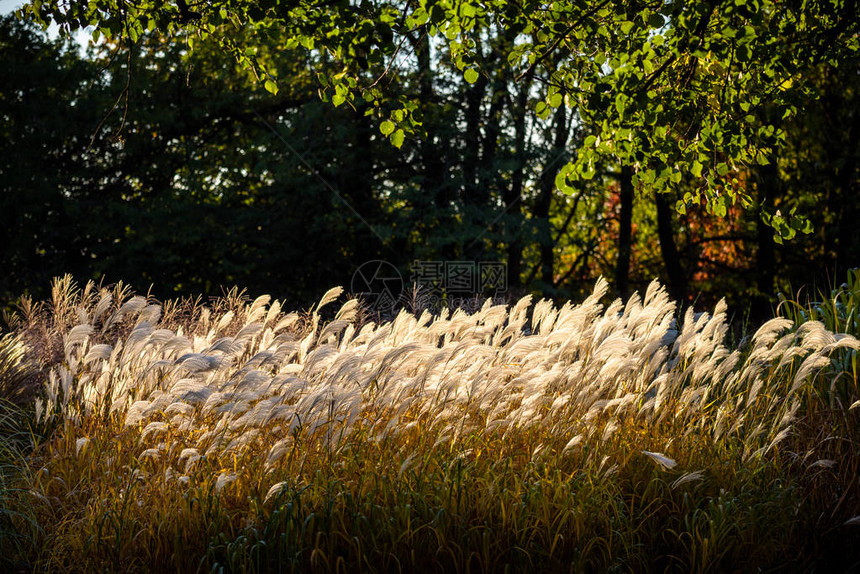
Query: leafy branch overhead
693, 91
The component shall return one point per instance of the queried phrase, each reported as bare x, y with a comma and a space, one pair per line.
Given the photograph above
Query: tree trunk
768, 187
358, 184
765, 266
475, 94
476, 198
625, 231
847, 246
435, 182
668, 249
555, 160
512, 195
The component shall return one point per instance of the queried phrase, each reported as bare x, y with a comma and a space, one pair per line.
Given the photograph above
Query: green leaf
561, 181
555, 100
620, 103
589, 141
470, 75
587, 173
271, 87
419, 17
656, 20
696, 169
337, 100
386, 127
397, 138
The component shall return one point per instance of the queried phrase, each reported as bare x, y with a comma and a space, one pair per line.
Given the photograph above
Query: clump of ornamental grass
838, 310
18, 381
20, 378
18, 526
587, 437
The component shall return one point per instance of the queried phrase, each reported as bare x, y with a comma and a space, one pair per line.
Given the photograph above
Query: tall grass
18, 527
594, 436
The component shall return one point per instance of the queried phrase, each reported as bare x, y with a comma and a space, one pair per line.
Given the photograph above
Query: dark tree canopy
680, 89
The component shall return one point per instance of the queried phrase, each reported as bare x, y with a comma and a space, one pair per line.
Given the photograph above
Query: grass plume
589, 436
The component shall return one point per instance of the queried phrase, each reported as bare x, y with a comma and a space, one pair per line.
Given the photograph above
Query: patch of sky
82, 37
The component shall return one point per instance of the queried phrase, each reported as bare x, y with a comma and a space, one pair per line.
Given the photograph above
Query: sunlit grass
595, 436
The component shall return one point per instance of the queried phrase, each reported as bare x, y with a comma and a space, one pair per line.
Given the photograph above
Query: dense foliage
693, 90
164, 166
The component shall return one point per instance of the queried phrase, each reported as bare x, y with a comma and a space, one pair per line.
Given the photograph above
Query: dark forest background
161, 166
